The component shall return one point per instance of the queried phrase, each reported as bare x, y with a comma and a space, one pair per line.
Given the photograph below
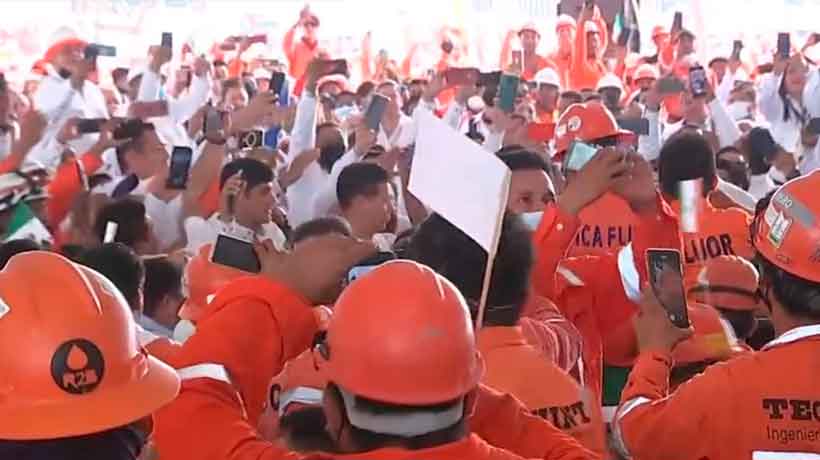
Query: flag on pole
25, 225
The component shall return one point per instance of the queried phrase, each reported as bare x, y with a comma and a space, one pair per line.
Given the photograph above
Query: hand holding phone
375, 112
698, 81
456, 76
507, 92
167, 40
737, 47
277, 81
784, 46
235, 253
677, 23
180, 167
666, 280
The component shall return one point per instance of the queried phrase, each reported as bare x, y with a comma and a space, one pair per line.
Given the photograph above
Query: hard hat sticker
574, 123
4, 308
779, 228
77, 366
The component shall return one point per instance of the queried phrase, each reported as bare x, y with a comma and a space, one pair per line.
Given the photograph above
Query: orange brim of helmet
113, 404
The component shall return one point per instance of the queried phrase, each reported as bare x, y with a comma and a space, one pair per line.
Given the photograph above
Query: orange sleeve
551, 241
666, 58
603, 27
235, 67
287, 46
504, 422
66, 185
506, 49
680, 426
407, 63
252, 328
367, 58
551, 333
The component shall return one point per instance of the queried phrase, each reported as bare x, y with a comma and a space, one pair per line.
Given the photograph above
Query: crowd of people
220, 256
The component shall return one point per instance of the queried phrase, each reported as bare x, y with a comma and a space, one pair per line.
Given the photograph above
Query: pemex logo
77, 366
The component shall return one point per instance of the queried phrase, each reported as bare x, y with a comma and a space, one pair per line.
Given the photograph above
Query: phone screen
677, 22
670, 85
236, 253
666, 279
639, 126
277, 80
3, 84
150, 109
814, 126
167, 40
368, 264
89, 125
518, 59
214, 121
737, 47
462, 76
180, 166
507, 91
579, 155
698, 81
251, 139
783, 45
129, 129
375, 111
489, 79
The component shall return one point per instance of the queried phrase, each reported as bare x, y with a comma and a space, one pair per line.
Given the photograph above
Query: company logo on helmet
574, 124
77, 366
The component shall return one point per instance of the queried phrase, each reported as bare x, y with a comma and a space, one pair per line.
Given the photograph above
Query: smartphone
784, 45
465, 76
251, 139
677, 22
336, 67
737, 47
375, 111
507, 92
579, 155
167, 40
666, 278
623, 39
589, 3
365, 266
89, 125
814, 126
277, 80
639, 126
518, 59
235, 253
129, 129
489, 79
540, 132
94, 50
151, 109
214, 120
227, 46
698, 81
259, 38
181, 158
670, 85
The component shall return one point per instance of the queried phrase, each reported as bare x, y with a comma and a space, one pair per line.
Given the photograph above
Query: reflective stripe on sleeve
629, 273
769, 455
617, 434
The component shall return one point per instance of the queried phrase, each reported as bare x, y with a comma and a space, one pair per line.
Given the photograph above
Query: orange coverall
590, 290
252, 328
515, 367
762, 405
585, 73
66, 185
550, 333
606, 226
299, 54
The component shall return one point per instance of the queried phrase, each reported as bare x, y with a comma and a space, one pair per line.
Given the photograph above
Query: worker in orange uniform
530, 61
562, 57
773, 411
729, 283
597, 293
590, 42
372, 406
300, 54
83, 387
687, 156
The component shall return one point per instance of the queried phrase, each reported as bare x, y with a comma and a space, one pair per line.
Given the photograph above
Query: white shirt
201, 232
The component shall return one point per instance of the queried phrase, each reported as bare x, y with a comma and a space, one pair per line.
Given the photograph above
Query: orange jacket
606, 226
720, 232
591, 290
772, 410
563, 65
550, 333
298, 54
225, 386
66, 185
515, 367
585, 73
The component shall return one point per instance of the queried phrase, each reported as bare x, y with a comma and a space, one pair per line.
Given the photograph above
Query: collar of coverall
793, 335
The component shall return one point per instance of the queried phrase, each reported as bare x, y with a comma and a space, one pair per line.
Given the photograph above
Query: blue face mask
162, 93
344, 112
532, 219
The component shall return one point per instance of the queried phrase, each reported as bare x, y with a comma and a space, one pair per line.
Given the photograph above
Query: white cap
548, 76
610, 80
476, 103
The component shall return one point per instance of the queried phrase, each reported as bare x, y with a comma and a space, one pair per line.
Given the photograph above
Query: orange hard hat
402, 334
713, 338
645, 72
727, 282
585, 122
201, 279
82, 371
299, 383
657, 31
58, 48
788, 233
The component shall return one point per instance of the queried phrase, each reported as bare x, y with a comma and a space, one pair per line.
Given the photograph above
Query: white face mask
344, 112
777, 175
532, 219
740, 110
5, 145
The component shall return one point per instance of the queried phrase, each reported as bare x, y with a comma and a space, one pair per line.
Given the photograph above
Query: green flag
25, 225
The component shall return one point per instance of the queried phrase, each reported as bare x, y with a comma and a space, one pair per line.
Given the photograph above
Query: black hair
364, 89
743, 322
134, 144
330, 152
131, 218
250, 86
254, 173
162, 278
122, 266
304, 430
320, 227
359, 179
762, 148
11, 248
524, 160
446, 249
364, 440
118, 73
685, 156
800, 297
123, 443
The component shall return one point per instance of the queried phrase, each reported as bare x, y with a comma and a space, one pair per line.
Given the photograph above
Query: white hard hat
476, 103
548, 76
610, 80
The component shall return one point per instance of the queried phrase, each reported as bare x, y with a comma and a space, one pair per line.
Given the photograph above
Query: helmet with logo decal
585, 122
83, 371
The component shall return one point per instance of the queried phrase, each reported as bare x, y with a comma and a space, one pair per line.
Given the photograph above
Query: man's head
565, 29
134, 228
331, 142
253, 206
310, 27
686, 156
390, 90
530, 187
686, 43
365, 198
729, 283
163, 290
234, 95
529, 37
66, 55
733, 167
660, 37
145, 155
320, 227
593, 39
549, 87
442, 246
567, 99
123, 267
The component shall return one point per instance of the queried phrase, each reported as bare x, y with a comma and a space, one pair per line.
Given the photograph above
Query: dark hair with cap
11, 248
443, 247
163, 277
131, 218
359, 179
761, 149
685, 156
320, 227
122, 266
524, 160
254, 173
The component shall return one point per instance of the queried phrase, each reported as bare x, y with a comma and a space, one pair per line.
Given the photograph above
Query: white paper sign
458, 179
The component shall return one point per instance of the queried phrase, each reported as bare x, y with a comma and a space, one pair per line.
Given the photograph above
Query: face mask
532, 219
740, 110
5, 144
777, 175
344, 112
